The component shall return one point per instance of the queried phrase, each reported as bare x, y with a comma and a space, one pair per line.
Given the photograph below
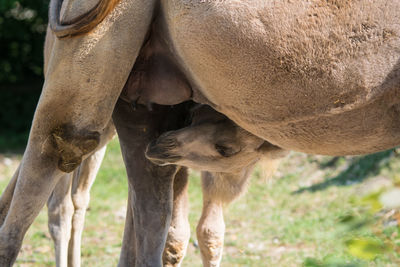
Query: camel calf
226, 154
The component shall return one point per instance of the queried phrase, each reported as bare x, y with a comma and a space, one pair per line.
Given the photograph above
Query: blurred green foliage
17, 105
370, 232
22, 30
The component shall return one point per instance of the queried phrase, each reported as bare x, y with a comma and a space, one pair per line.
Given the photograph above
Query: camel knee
72, 144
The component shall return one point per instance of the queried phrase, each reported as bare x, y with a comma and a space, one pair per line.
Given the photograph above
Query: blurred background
22, 30
315, 211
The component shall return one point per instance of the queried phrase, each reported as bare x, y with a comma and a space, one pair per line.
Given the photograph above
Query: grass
312, 213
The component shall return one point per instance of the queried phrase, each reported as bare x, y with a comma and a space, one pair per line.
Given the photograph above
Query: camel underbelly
366, 130
314, 76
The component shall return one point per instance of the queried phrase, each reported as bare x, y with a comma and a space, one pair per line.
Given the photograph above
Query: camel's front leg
179, 230
151, 185
128, 249
211, 227
178, 233
83, 181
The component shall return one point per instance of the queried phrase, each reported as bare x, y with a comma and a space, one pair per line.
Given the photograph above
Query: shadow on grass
359, 169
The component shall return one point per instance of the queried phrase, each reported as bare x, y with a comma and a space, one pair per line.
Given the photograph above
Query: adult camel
226, 171
314, 76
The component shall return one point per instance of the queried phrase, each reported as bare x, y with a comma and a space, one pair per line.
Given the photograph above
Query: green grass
312, 213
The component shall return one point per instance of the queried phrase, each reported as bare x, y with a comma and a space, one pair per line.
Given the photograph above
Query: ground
315, 211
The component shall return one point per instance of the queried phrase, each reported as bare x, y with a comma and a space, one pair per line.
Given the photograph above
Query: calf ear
271, 151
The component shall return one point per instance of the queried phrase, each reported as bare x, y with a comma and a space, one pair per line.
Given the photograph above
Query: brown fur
316, 76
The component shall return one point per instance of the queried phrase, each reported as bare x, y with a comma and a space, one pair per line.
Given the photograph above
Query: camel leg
211, 227
60, 210
178, 233
75, 107
29, 197
6, 197
38, 175
128, 250
80, 198
219, 189
151, 185
179, 230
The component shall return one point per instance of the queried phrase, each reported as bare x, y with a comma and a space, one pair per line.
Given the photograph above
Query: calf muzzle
161, 150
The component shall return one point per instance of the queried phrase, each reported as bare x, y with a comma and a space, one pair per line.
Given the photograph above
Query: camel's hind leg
60, 210
179, 230
80, 198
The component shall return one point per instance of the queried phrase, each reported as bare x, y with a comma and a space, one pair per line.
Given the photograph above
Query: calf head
211, 143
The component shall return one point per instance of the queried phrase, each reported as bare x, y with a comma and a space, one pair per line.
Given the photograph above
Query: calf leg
151, 184
179, 230
86, 174
210, 229
219, 189
60, 210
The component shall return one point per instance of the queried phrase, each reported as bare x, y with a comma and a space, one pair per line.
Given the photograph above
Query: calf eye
225, 151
